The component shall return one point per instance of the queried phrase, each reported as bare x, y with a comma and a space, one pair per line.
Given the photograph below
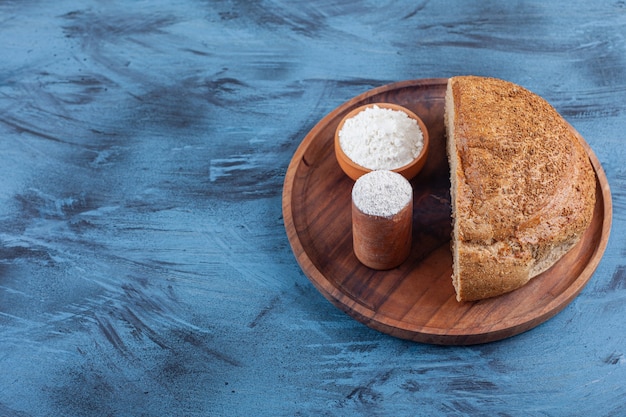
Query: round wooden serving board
416, 301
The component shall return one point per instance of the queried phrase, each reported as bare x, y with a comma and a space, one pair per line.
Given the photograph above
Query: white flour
381, 193
378, 138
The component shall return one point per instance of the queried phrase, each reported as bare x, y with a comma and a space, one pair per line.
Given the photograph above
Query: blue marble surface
144, 265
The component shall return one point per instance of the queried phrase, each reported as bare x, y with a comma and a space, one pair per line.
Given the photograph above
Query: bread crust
523, 188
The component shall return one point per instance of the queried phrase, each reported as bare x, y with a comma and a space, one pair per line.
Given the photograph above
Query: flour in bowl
381, 139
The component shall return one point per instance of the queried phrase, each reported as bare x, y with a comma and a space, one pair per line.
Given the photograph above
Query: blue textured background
144, 266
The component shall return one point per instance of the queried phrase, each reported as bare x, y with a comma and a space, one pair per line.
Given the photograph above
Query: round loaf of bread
522, 186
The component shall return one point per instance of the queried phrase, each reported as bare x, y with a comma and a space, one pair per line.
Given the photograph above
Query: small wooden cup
382, 242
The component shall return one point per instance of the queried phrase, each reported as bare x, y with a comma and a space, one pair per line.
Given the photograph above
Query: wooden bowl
354, 170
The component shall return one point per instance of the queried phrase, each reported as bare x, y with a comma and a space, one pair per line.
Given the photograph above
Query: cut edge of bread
453, 162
